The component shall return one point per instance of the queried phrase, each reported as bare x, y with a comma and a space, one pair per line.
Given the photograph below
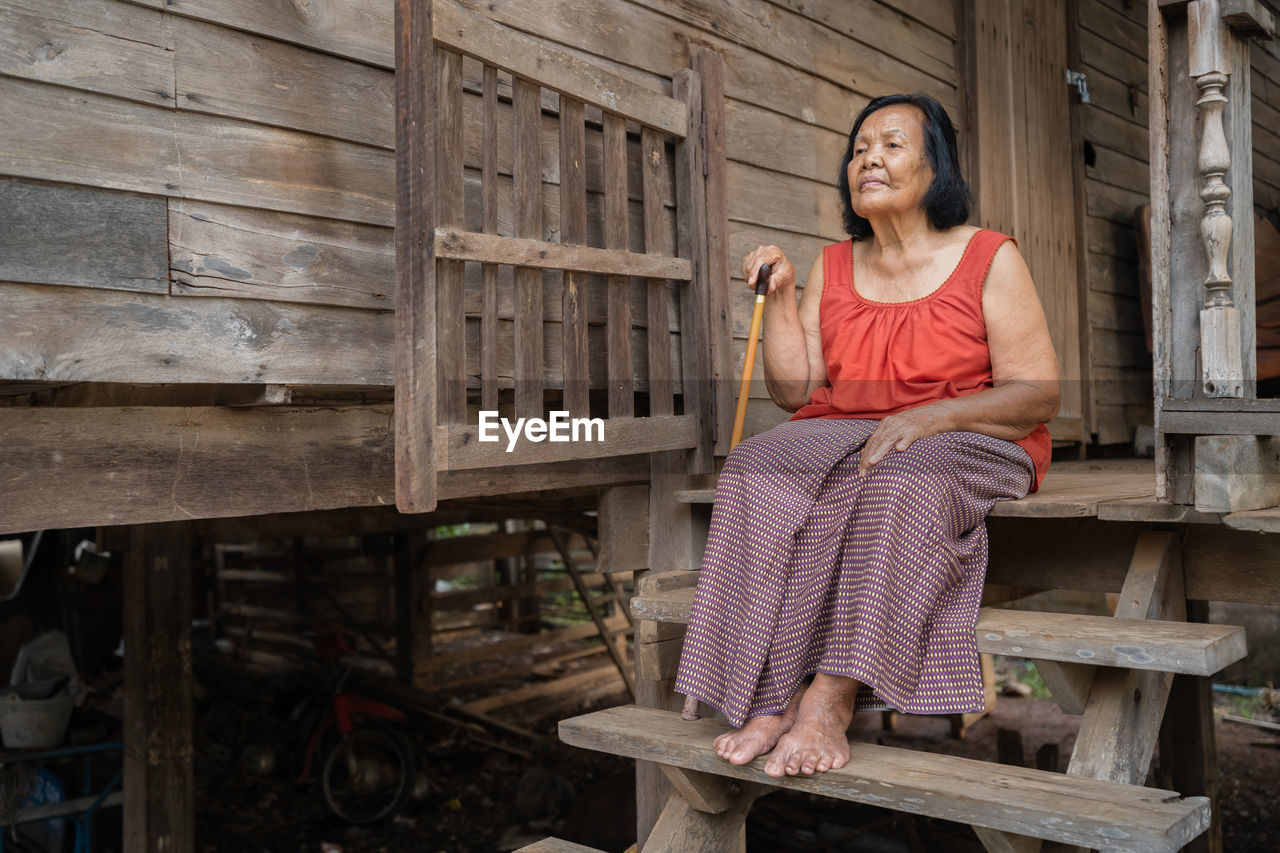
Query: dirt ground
481, 796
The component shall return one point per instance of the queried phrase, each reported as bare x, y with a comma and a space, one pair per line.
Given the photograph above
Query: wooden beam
527, 189
515, 251
1249, 18
691, 239
415, 320
1188, 749
704, 792
682, 828
78, 467
159, 792
532, 59
1237, 472
710, 67
624, 529
1121, 722
1069, 683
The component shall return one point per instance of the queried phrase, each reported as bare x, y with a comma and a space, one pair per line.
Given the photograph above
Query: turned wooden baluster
1221, 364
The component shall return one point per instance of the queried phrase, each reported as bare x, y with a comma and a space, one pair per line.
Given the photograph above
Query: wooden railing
436, 251
1216, 446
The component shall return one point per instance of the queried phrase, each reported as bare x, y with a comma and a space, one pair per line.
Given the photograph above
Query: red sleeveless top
887, 357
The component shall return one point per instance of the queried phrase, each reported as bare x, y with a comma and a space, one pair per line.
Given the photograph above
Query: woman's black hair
947, 201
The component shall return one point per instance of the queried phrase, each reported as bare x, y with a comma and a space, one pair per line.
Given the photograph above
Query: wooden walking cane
690, 710
740, 416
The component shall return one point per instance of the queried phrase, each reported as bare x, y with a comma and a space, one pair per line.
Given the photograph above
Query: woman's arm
1023, 367
793, 362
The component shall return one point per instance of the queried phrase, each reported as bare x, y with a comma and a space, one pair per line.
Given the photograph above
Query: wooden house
272, 259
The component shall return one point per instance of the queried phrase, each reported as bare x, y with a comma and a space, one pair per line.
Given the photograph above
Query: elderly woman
848, 544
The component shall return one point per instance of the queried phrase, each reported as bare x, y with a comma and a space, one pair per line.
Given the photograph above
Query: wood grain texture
556, 845
356, 29
1066, 637
1009, 798
64, 234
416, 482
489, 217
528, 224
90, 335
451, 333
96, 45
624, 529
1235, 473
616, 222
60, 134
477, 35
573, 231
695, 299
102, 466
682, 828
653, 166
220, 250
221, 71
159, 791
1121, 722
540, 254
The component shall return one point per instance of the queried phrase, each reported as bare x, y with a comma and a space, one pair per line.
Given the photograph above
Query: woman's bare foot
759, 735
817, 742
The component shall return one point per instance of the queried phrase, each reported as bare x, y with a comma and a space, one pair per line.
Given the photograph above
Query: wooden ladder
1115, 671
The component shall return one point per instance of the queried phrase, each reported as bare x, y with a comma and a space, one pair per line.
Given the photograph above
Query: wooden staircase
1115, 671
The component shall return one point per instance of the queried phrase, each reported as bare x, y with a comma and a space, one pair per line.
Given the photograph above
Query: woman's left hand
898, 432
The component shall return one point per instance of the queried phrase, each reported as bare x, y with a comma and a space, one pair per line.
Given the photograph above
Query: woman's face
890, 172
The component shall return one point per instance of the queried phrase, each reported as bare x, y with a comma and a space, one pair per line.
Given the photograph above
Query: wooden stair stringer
1126, 706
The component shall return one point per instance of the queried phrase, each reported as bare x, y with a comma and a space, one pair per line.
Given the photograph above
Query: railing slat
653, 159
475, 35
573, 230
450, 202
528, 222
621, 382
517, 251
415, 322
489, 205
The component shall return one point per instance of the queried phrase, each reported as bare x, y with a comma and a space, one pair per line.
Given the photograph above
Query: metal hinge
702, 140
1081, 84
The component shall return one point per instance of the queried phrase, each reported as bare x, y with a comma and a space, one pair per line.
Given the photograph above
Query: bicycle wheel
366, 775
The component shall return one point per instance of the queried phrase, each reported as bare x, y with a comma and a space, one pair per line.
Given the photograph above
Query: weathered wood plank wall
253, 141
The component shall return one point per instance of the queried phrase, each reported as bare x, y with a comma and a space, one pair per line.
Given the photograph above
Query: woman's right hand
783, 276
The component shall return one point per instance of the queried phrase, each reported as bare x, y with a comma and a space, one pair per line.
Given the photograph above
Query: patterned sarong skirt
811, 567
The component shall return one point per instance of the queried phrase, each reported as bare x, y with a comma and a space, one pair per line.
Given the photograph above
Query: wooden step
1099, 815
1190, 648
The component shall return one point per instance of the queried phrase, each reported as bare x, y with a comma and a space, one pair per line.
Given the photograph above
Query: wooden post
1188, 750
1210, 65
671, 545
415, 345
691, 232
159, 809
710, 67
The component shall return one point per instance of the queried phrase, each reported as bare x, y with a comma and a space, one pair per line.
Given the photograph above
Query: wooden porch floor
1108, 489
